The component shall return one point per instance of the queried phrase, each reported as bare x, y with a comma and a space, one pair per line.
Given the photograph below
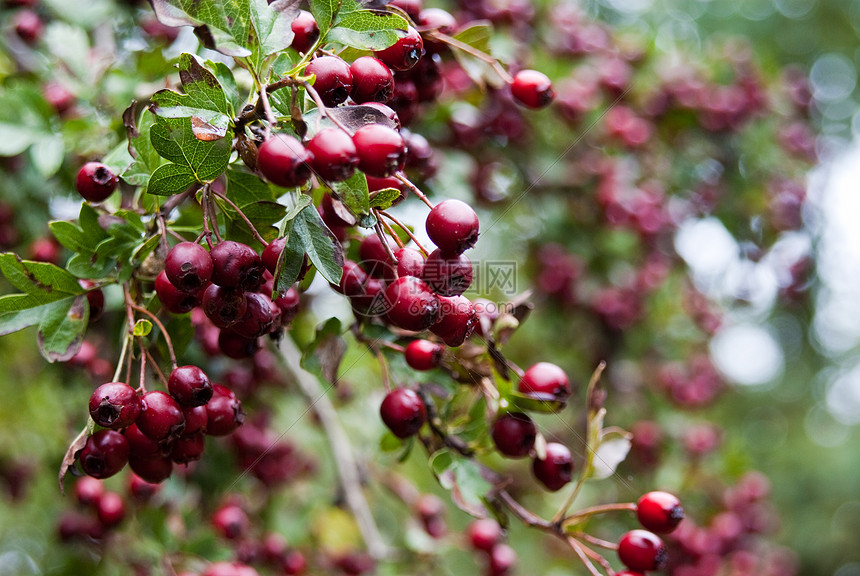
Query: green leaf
42, 280
70, 236
227, 81
320, 244
142, 328
174, 140
146, 158
47, 154
244, 188
119, 159
385, 198
463, 478
290, 262
368, 29
204, 100
353, 192
324, 354
482, 73
22, 123
324, 10
170, 179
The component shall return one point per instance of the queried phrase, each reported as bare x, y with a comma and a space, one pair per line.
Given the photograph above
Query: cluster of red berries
642, 550
486, 537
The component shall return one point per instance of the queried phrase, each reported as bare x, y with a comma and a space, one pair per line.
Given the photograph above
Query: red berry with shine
259, 316
114, 405
161, 417
187, 449
659, 512
231, 522
172, 298
423, 354
140, 445
457, 320
333, 79
403, 412
334, 155
153, 470
224, 412
105, 454
448, 275
381, 150
190, 386
110, 509
195, 420
411, 7
556, 469
89, 490
28, 26
375, 259
484, 534
305, 30
284, 161
545, 380
236, 346
405, 53
409, 262
514, 434
188, 266
372, 80
412, 304
503, 558
236, 265
95, 182
532, 89
272, 253
453, 226
642, 551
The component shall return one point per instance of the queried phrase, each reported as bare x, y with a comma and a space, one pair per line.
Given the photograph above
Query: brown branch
405, 229
238, 210
415, 189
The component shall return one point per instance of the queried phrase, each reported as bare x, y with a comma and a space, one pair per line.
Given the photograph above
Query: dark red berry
642, 551
306, 31
372, 80
105, 454
484, 534
89, 490
195, 420
224, 306
259, 317
412, 304
272, 253
140, 489
371, 302
335, 156
556, 469
288, 304
237, 347
187, 449
514, 434
333, 79
236, 264
375, 259
141, 445
190, 386
437, 19
229, 569
503, 558
114, 405
224, 412
95, 182
381, 150
28, 26
423, 354
161, 417
411, 7
457, 320
110, 509
453, 226
45, 250
231, 522
188, 266
405, 53
153, 470
352, 280
60, 99
659, 512
532, 89
409, 262
447, 275
96, 300
284, 161
403, 411
545, 380
173, 299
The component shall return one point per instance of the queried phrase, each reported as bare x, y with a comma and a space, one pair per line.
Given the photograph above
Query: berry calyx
161, 417
642, 551
422, 354
105, 454
403, 411
405, 53
412, 304
659, 512
532, 89
453, 226
236, 264
114, 405
284, 161
333, 79
447, 275
514, 434
334, 155
95, 182
545, 380
188, 266
556, 469
190, 386
381, 150
372, 80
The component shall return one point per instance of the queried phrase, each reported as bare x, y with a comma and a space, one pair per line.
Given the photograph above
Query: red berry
437, 19
352, 280
409, 262
335, 156
447, 275
115, 405
140, 489
556, 469
411, 7
195, 420
224, 412
412, 305
224, 306
62, 100
89, 490
642, 551
96, 300
288, 304
161, 417
236, 264
284, 161
381, 150
231, 522
453, 226
141, 445
375, 259
259, 316
405, 53
306, 31
423, 354
514, 434
403, 412
532, 89
333, 79
153, 470
545, 380
457, 320
172, 298
229, 569
484, 534
237, 347
372, 80
272, 253
95, 182
188, 266
28, 26
659, 512
187, 449
105, 454
190, 386
110, 509
503, 558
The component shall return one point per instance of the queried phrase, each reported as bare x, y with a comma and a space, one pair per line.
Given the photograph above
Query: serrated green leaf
61, 322
320, 244
323, 11
482, 73
368, 29
290, 262
244, 188
146, 158
43, 280
353, 192
385, 198
227, 81
170, 179
174, 140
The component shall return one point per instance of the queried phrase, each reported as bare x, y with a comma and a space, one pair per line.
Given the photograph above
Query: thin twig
595, 540
405, 229
415, 189
156, 367
238, 210
483, 56
578, 548
601, 509
164, 332
322, 107
527, 517
142, 386
389, 230
267, 110
388, 251
121, 358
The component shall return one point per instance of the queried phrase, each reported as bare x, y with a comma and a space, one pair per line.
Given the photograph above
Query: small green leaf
385, 198
142, 328
324, 354
170, 179
47, 154
174, 140
479, 71
320, 244
146, 158
368, 29
353, 192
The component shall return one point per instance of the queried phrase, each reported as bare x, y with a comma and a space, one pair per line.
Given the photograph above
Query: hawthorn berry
484, 534
403, 411
195, 420
272, 253
437, 19
352, 279
545, 380
556, 469
659, 512
95, 299
288, 304
28, 26
259, 317
334, 155
190, 386
502, 560
447, 275
381, 150
305, 30
405, 53
375, 259
188, 266
532, 89
409, 262
95, 182
231, 522
104, 454
372, 80
284, 161
172, 298
642, 551
154, 470
514, 434
423, 354
88, 490
224, 412
236, 264
110, 509
412, 304
187, 448
453, 226
229, 569
62, 100
224, 306
333, 79
141, 445
236, 346
411, 7
161, 417
114, 405
457, 320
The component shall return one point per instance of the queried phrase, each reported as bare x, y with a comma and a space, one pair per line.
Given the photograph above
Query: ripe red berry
224, 412
403, 412
457, 320
110, 509
642, 551
229, 569
187, 449
375, 259
556, 469
423, 354
288, 305
659, 512
172, 298
195, 420
161, 417
153, 470
411, 7
28, 26
484, 534
514, 434
60, 99
284, 161
409, 262
333, 79
412, 305
334, 155
447, 275
381, 150
306, 31
437, 19
259, 316
224, 306
545, 380
96, 300
272, 253
115, 405
503, 558
105, 454
188, 266
453, 226
405, 53
95, 182
352, 280
372, 80
532, 89
190, 386
89, 490
141, 445
231, 522
237, 347
236, 264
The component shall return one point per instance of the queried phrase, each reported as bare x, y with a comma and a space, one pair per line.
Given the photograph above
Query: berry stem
388, 229
380, 232
415, 189
405, 229
594, 540
383, 367
267, 110
482, 56
155, 367
142, 386
160, 324
322, 107
580, 550
570, 499
574, 519
121, 359
232, 204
